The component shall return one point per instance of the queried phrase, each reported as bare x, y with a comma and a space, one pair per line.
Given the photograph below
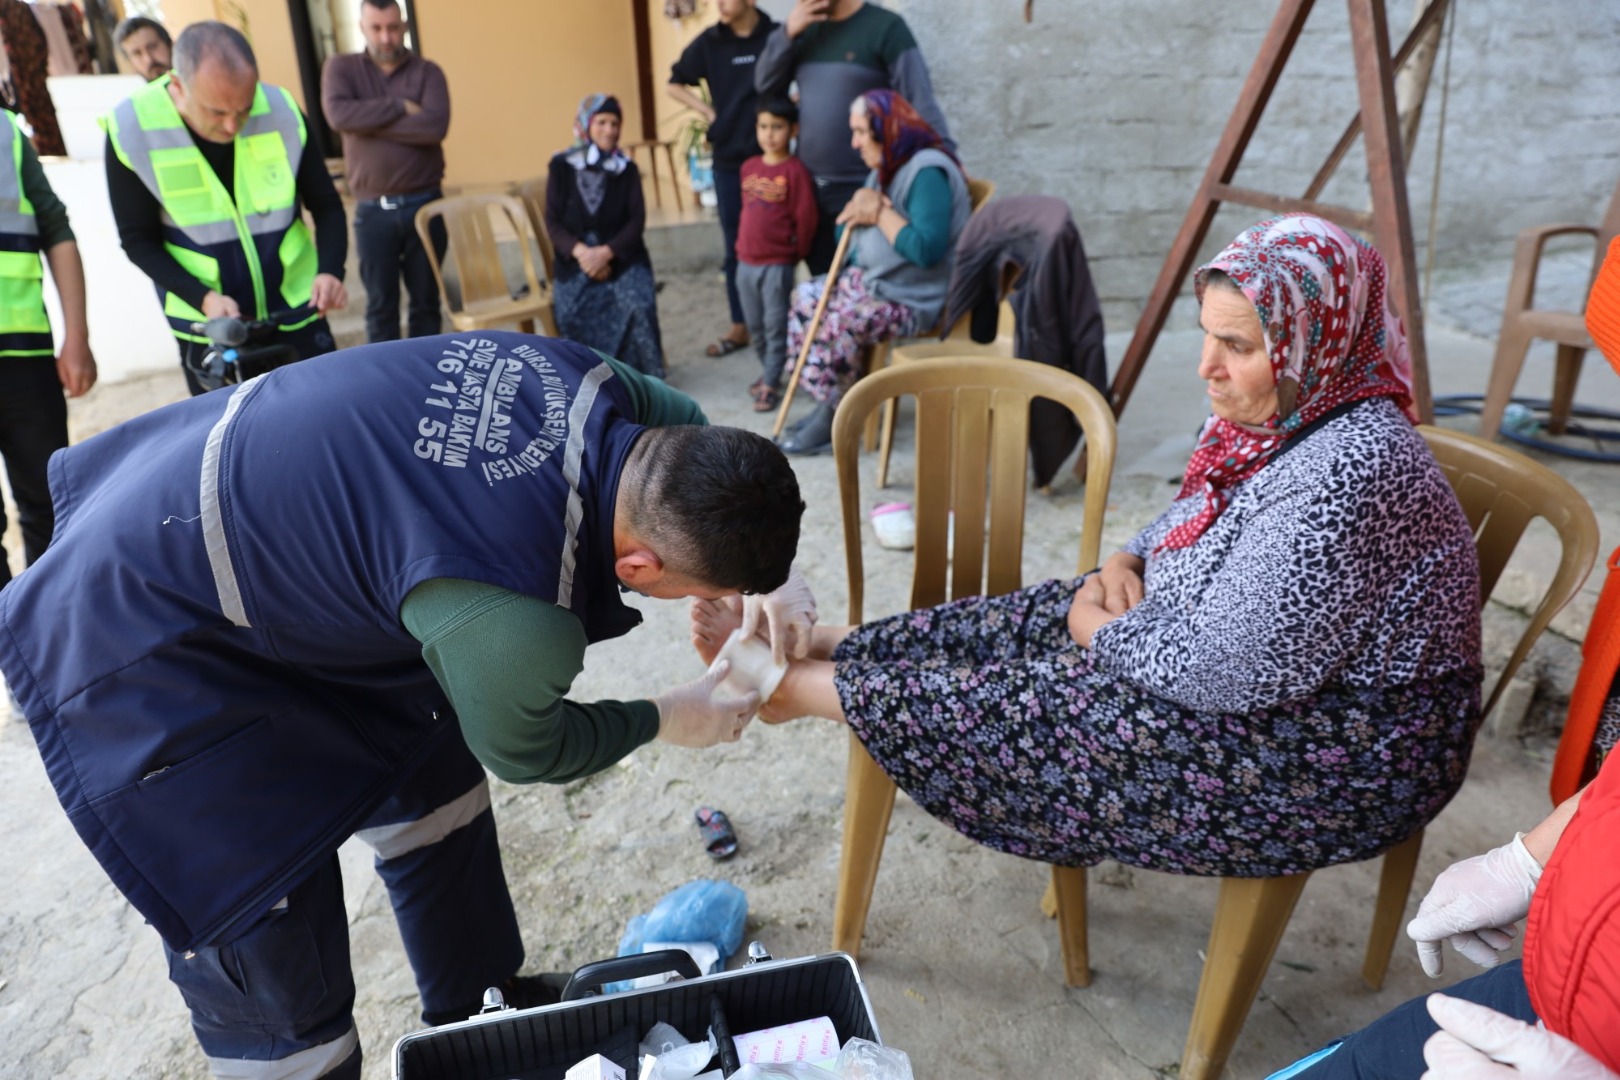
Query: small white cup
752, 668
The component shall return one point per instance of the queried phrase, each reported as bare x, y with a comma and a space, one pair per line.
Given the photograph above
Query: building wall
1116, 105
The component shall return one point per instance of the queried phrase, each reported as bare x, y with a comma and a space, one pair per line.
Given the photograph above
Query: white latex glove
1476, 1043
691, 715
790, 614
1474, 904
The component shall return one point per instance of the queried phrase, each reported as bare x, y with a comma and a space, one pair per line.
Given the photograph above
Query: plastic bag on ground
863, 1060
703, 910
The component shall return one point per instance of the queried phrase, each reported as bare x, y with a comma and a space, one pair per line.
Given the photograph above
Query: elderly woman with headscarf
898, 269
604, 294
1281, 672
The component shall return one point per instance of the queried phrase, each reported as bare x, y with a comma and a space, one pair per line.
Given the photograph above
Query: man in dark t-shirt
723, 56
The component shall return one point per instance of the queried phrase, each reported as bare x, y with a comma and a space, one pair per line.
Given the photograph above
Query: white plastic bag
863, 1060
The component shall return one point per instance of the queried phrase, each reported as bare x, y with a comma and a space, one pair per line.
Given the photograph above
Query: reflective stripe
309, 1064
16, 214
205, 235
572, 456
213, 526
392, 841
273, 222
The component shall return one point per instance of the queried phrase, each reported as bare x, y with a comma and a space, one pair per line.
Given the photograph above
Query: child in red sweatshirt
777, 227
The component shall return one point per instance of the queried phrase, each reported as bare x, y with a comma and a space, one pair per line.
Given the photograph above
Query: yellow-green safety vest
255, 248
25, 330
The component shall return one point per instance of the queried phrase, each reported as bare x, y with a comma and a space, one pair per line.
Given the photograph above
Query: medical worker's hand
1476, 1043
691, 715
1474, 904
789, 614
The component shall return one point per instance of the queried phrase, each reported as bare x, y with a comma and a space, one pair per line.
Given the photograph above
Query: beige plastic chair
973, 460
957, 343
652, 147
532, 193
1522, 323
474, 225
1501, 491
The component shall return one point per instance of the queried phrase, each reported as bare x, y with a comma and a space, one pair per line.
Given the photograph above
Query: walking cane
815, 325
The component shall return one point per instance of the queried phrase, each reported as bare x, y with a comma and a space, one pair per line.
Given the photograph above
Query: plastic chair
1522, 322
1501, 491
980, 191
532, 193
471, 223
972, 424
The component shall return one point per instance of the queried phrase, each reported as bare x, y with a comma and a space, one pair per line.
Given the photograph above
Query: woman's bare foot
712, 623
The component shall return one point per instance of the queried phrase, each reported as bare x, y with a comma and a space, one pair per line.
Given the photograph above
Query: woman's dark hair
720, 506
778, 106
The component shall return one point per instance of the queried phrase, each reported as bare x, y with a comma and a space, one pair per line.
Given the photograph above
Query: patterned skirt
618, 316
993, 720
853, 320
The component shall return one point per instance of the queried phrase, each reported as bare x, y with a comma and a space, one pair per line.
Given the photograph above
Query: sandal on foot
766, 399
719, 840
724, 347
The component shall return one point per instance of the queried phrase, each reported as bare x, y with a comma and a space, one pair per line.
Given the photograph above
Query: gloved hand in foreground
1474, 905
1477, 1043
789, 612
691, 715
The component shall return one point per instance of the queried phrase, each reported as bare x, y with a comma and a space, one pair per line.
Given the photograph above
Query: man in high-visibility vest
209, 171
33, 414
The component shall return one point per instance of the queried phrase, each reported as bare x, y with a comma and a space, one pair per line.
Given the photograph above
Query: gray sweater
836, 62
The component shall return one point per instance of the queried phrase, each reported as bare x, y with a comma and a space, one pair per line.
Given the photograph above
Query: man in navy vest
320, 604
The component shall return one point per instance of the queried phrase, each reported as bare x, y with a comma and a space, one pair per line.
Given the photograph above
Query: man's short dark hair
778, 106
380, 5
214, 41
137, 23
720, 506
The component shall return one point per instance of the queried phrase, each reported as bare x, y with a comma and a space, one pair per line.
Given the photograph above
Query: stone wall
1116, 105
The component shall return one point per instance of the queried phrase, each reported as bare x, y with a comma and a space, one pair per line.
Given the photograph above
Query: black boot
814, 435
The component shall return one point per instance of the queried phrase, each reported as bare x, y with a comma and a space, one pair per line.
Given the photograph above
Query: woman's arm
627, 241
559, 181
922, 235
1299, 590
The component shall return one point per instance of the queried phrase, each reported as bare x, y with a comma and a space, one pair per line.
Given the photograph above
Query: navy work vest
210, 653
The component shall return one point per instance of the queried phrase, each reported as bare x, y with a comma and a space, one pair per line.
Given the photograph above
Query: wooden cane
815, 325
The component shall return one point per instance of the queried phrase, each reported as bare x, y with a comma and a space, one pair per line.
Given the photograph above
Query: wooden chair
1522, 322
473, 226
652, 147
532, 193
972, 423
1501, 491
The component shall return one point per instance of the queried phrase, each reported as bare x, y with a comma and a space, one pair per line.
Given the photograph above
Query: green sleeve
506, 660
49, 213
927, 239
657, 403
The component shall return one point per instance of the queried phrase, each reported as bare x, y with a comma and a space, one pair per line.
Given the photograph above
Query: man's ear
639, 568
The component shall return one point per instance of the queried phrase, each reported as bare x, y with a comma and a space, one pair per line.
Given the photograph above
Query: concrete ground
963, 972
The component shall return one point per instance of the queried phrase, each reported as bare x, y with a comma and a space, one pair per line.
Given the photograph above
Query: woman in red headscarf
914, 206
1281, 672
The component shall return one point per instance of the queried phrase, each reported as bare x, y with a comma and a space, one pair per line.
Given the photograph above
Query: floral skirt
618, 316
853, 320
993, 720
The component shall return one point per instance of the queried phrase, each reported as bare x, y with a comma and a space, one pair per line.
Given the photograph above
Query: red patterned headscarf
902, 131
1330, 335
